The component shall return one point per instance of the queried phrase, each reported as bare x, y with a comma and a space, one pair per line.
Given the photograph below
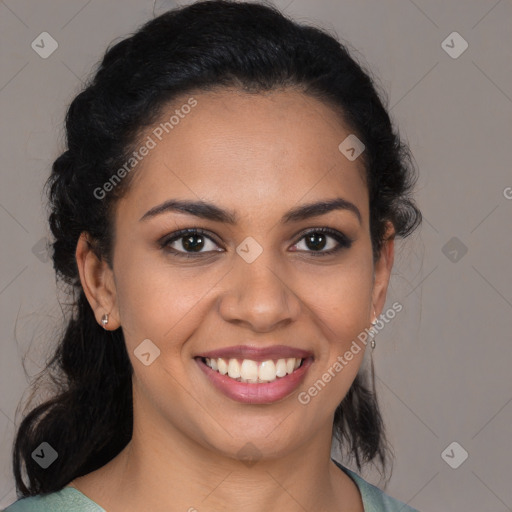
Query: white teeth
234, 369
222, 366
267, 371
281, 367
249, 371
252, 371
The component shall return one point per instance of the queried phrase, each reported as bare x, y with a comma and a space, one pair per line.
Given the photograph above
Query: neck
164, 469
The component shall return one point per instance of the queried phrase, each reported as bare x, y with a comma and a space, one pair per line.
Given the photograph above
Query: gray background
443, 363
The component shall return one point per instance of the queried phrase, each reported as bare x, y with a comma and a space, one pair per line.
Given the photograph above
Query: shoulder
66, 500
374, 499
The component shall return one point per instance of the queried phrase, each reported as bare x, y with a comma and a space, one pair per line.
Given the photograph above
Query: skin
258, 155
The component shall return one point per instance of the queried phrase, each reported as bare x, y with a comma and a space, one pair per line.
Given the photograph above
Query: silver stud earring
104, 320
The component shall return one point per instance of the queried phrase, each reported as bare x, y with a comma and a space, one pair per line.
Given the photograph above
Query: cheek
160, 301
341, 298
340, 308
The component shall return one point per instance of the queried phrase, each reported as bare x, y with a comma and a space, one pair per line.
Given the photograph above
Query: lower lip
261, 393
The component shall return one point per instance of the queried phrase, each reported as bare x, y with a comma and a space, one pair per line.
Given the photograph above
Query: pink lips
260, 393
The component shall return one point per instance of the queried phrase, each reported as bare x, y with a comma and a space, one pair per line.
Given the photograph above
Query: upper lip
257, 353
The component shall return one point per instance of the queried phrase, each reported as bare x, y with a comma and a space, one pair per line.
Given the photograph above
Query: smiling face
264, 271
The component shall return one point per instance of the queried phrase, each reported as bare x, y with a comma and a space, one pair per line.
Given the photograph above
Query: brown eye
189, 242
193, 242
317, 240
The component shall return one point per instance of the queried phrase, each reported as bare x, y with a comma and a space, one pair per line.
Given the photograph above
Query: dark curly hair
206, 45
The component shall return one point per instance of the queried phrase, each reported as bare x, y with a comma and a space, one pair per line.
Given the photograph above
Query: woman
225, 214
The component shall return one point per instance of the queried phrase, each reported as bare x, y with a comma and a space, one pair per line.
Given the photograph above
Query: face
264, 280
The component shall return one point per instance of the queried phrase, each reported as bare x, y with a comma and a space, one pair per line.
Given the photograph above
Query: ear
382, 271
97, 280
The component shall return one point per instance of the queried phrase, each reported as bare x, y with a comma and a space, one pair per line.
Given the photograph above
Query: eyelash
343, 241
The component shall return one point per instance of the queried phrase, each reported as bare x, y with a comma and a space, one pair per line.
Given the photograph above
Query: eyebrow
212, 212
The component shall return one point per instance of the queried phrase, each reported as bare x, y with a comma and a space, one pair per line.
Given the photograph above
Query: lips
256, 390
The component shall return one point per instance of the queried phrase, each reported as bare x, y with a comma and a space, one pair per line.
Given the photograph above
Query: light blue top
70, 499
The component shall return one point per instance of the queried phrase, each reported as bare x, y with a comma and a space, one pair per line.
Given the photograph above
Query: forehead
247, 152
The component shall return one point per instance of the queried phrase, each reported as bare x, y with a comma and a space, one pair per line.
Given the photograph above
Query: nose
259, 296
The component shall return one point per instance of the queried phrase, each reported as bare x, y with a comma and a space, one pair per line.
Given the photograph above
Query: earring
104, 320
373, 325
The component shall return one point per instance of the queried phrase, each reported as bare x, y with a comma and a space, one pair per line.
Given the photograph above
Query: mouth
255, 376
251, 371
